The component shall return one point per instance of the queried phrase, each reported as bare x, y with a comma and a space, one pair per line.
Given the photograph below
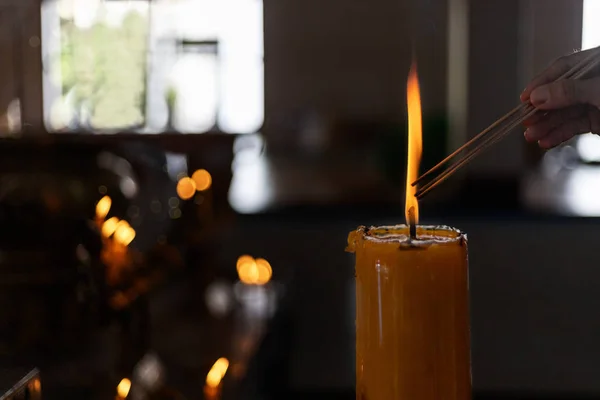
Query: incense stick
502, 127
493, 139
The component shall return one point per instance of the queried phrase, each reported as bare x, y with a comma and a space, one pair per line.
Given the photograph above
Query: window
189, 66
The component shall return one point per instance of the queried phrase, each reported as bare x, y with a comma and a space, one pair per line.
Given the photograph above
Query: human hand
565, 108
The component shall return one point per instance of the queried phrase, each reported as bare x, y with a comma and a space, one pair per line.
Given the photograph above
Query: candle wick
412, 226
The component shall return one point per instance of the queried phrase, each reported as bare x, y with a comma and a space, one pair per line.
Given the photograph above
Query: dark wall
350, 59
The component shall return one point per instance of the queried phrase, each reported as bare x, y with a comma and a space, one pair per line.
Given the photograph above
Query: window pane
153, 66
194, 79
95, 63
242, 74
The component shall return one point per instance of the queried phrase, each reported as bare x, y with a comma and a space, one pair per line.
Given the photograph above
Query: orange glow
103, 207
217, 372
245, 259
415, 141
124, 233
253, 272
123, 388
264, 271
110, 226
121, 226
202, 179
248, 272
186, 188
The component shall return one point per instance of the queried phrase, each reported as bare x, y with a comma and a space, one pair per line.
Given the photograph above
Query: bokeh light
253, 271
110, 226
123, 388
244, 259
186, 188
124, 233
103, 207
264, 271
202, 179
217, 372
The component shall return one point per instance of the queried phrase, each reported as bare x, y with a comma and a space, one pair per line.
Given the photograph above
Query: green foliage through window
103, 72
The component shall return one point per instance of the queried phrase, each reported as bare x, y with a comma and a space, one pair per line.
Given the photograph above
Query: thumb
565, 93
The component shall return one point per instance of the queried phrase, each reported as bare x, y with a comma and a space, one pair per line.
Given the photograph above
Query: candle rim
426, 234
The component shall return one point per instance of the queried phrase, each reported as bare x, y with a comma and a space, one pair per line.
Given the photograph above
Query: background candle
412, 314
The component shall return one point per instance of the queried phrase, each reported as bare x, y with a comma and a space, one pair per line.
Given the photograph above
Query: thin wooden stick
464, 146
491, 140
510, 122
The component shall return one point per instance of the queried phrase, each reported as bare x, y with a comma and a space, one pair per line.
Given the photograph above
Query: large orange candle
412, 313
412, 298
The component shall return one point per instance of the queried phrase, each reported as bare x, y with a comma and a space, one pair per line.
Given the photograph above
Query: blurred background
178, 179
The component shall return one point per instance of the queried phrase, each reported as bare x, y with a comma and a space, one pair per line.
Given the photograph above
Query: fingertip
535, 133
546, 144
540, 96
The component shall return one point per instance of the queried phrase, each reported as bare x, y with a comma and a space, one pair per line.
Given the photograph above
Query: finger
551, 120
553, 72
535, 118
565, 132
566, 93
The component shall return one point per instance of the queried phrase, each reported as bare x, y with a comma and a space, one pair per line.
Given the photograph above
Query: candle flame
124, 387
110, 226
186, 188
103, 207
202, 179
217, 372
264, 271
124, 233
415, 143
254, 271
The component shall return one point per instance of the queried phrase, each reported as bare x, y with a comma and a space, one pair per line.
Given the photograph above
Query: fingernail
522, 95
539, 96
526, 134
545, 144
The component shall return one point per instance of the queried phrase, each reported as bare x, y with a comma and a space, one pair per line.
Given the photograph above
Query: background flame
103, 207
217, 372
123, 388
415, 140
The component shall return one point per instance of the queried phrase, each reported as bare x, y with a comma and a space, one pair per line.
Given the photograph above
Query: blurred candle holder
116, 237
255, 291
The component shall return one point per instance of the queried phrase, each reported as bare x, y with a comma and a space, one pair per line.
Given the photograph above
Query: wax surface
412, 314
